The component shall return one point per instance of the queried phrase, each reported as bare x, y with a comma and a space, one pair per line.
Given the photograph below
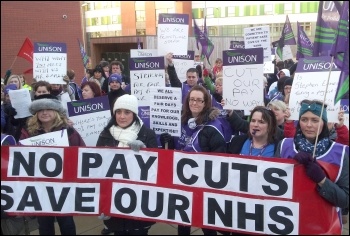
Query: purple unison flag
84, 57
197, 32
342, 36
208, 44
340, 52
326, 26
305, 46
289, 38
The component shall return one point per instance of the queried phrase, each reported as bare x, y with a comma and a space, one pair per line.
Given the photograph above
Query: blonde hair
17, 77
279, 104
34, 124
218, 79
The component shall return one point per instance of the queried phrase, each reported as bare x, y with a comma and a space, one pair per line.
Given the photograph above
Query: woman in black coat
126, 129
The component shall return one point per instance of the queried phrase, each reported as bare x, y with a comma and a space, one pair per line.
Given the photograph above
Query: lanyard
261, 151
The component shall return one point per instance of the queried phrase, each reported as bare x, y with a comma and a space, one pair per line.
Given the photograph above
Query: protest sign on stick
182, 63
166, 110
243, 79
145, 73
310, 82
90, 116
50, 62
258, 37
172, 34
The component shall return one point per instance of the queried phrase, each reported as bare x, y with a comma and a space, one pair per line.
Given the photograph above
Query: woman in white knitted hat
126, 129
49, 116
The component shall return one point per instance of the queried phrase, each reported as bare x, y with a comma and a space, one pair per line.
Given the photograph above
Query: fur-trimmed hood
212, 114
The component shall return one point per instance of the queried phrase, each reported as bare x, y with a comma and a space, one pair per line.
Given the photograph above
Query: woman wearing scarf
126, 129
334, 190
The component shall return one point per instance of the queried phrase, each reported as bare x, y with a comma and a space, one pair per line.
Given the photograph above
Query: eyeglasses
192, 100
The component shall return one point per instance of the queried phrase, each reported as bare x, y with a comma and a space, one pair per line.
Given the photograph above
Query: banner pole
324, 99
13, 63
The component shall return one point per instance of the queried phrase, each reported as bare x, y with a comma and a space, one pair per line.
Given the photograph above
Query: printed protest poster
310, 82
182, 63
258, 37
90, 116
143, 53
146, 73
172, 34
242, 79
57, 138
50, 62
166, 110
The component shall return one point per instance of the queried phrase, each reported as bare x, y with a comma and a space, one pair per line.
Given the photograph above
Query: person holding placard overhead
326, 162
201, 131
49, 116
191, 75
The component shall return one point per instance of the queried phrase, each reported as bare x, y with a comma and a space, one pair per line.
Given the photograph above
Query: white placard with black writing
172, 34
182, 63
310, 82
57, 138
165, 110
258, 37
242, 79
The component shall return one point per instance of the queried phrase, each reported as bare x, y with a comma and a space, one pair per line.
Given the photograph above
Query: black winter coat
148, 137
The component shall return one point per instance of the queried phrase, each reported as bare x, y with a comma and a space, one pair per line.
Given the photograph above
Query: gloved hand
103, 217
11, 111
303, 157
315, 172
136, 145
205, 72
166, 138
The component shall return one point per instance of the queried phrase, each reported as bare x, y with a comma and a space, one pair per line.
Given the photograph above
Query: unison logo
144, 64
79, 107
317, 65
237, 57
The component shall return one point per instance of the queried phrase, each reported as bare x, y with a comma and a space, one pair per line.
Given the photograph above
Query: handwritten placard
258, 37
310, 82
20, 100
134, 53
287, 53
165, 115
50, 62
57, 138
145, 73
269, 67
182, 63
242, 79
173, 34
90, 116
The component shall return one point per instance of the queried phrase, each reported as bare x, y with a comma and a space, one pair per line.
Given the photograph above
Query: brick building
46, 21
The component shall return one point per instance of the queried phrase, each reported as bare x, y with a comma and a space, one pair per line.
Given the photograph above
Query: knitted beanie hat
46, 102
115, 77
128, 102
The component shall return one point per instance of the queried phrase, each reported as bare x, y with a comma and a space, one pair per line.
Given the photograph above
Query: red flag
29, 71
27, 50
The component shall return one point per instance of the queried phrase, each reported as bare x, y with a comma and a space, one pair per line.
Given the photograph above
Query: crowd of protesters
206, 127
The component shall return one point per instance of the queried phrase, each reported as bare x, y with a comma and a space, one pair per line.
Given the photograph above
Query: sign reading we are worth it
218, 191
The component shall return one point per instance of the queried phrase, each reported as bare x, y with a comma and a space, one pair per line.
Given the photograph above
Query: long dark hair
186, 112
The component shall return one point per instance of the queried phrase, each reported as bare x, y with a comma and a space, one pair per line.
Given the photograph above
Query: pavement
90, 225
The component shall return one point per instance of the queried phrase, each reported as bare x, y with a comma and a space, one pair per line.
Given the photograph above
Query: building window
212, 31
139, 5
95, 21
306, 26
140, 31
198, 13
268, 9
115, 4
114, 19
210, 12
288, 8
231, 11
140, 16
